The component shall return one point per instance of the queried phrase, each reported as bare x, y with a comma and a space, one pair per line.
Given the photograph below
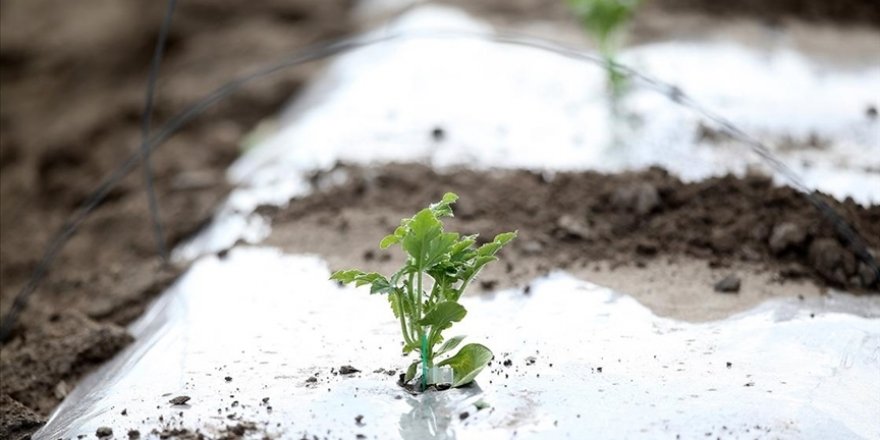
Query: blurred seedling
606, 22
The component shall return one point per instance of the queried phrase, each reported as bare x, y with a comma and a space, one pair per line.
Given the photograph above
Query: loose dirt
73, 78
647, 233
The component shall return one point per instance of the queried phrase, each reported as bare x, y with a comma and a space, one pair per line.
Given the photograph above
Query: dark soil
862, 12
574, 219
73, 77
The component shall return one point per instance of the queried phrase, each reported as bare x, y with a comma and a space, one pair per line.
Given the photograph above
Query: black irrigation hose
146, 119
324, 50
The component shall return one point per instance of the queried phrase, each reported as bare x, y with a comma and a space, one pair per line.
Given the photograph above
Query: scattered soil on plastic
570, 220
73, 78
70, 113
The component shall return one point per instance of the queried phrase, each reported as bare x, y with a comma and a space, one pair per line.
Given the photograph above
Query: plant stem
403, 328
424, 362
419, 295
422, 336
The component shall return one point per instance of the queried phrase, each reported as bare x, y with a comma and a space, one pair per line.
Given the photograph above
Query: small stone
786, 235
179, 400
348, 369
831, 260
530, 360
134, 434
104, 431
359, 419
641, 198
488, 284
228, 378
61, 390
572, 227
646, 248
463, 415
312, 379
438, 134
867, 276
728, 284
532, 247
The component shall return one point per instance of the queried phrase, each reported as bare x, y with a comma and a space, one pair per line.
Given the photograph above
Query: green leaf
492, 247
398, 235
411, 372
426, 243
467, 363
423, 229
603, 18
345, 276
442, 208
449, 345
393, 299
379, 284
444, 314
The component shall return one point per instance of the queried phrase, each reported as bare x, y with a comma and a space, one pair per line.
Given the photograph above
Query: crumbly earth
857, 12
73, 77
644, 233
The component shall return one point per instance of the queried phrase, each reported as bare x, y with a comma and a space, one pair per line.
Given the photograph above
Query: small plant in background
424, 293
605, 20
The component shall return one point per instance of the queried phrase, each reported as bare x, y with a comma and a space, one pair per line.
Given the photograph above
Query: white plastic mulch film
582, 359
242, 335
517, 107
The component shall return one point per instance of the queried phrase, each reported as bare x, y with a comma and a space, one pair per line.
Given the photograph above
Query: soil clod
438, 134
104, 432
728, 284
179, 400
785, 236
348, 369
641, 198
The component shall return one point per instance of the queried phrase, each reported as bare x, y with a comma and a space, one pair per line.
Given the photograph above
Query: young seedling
424, 293
606, 20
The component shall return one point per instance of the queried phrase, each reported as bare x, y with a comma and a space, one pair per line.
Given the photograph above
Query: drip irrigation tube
328, 49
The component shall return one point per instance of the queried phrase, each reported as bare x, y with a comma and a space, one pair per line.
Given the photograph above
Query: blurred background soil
73, 77
73, 82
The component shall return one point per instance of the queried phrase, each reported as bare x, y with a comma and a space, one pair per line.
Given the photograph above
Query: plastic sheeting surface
584, 359
514, 107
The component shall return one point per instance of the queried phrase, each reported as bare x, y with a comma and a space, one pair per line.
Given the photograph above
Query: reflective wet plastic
515, 107
583, 359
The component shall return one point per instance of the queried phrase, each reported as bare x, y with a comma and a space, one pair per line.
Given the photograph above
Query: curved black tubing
325, 50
